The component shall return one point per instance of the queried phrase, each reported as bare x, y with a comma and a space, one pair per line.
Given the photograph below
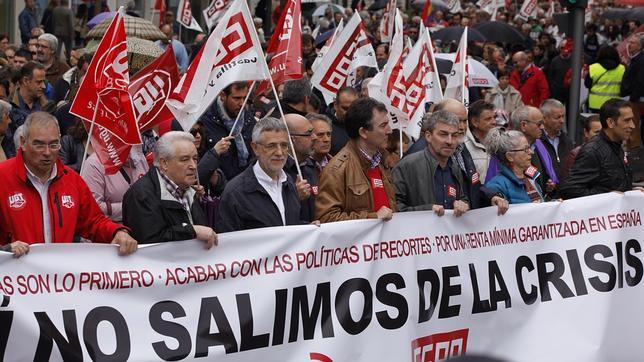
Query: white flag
458, 79
423, 82
551, 11
397, 118
528, 9
393, 83
387, 21
388, 86
333, 69
454, 6
215, 11
232, 53
364, 56
327, 45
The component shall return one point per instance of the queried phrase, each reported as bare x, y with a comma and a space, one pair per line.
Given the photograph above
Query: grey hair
319, 117
39, 119
499, 141
51, 39
5, 107
519, 115
16, 135
547, 106
430, 120
163, 148
267, 124
296, 90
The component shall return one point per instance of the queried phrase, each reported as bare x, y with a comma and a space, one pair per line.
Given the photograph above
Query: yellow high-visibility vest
606, 84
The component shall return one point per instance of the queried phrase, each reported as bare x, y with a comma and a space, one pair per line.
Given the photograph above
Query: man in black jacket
263, 195
600, 165
218, 121
162, 205
301, 131
554, 137
343, 100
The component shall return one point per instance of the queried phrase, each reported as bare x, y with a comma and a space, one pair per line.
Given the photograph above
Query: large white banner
549, 282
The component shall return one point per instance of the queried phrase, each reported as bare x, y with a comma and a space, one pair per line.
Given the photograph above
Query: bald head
301, 131
166, 29
453, 106
520, 60
296, 122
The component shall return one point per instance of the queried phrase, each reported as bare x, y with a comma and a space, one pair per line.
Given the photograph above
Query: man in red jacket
529, 80
41, 200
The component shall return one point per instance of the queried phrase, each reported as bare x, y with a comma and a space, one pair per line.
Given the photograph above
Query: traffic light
572, 4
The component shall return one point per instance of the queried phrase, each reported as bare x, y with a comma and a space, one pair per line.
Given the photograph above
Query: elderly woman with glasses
516, 180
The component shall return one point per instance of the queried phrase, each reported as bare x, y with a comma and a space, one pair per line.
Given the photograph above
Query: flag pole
400, 138
290, 141
250, 89
89, 134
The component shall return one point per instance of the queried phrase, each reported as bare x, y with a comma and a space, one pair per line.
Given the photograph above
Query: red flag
103, 94
159, 5
427, 9
285, 47
151, 87
111, 151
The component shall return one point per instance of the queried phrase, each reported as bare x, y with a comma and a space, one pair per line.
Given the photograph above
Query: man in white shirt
262, 195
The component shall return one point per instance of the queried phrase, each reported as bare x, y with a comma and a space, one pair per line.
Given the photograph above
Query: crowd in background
509, 146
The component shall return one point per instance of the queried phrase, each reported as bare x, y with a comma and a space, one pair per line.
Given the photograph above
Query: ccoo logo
440, 346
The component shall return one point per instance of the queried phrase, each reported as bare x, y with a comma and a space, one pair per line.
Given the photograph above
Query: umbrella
615, 13
137, 27
453, 33
479, 75
499, 32
319, 12
99, 18
140, 52
636, 14
377, 5
436, 5
324, 36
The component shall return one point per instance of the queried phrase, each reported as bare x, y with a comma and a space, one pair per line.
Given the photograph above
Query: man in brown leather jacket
355, 184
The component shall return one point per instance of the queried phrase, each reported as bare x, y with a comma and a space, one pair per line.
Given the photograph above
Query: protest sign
554, 281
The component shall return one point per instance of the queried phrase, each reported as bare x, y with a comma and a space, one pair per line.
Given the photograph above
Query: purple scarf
495, 166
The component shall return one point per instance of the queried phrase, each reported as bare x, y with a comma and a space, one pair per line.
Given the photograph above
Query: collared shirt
272, 187
42, 188
321, 164
35, 105
444, 186
374, 160
554, 141
171, 191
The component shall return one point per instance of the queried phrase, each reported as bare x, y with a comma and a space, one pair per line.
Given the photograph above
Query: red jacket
72, 208
533, 86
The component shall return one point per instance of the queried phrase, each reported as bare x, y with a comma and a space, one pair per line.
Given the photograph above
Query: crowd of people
318, 163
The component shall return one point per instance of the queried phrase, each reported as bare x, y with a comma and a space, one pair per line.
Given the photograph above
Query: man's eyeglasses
527, 149
39, 146
306, 134
538, 123
274, 146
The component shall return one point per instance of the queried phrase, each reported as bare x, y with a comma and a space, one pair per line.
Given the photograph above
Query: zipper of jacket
60, 214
